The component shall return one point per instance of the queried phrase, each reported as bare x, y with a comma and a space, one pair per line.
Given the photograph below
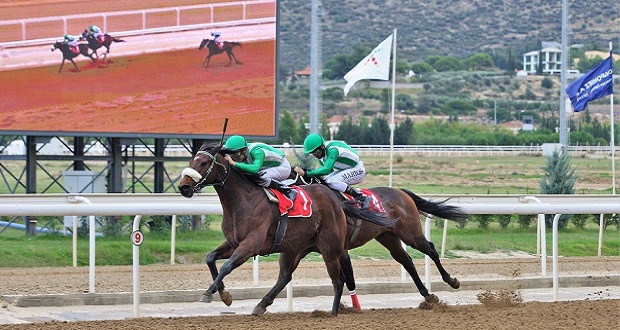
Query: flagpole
392, 125
613, 141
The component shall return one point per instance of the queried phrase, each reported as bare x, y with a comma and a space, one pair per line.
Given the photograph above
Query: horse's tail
354, 212
117, 40
439, 209
233, 44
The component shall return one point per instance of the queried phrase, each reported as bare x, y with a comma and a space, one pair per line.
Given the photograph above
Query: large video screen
154, 82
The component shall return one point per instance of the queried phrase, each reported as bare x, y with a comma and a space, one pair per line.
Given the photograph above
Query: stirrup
363, 201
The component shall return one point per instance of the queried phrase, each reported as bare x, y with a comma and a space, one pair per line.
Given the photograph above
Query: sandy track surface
499, 308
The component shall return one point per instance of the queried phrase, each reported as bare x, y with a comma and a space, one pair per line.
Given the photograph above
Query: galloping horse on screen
95, 44
68, 54
214, 49
250, 225
405, 206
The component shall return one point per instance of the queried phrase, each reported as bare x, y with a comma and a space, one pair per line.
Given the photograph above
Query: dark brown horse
405, 206
214, 49
68, 54
95, 44
250, 223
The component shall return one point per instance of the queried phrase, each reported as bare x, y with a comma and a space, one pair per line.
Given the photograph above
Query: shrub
525, 220
504, 220
483, 220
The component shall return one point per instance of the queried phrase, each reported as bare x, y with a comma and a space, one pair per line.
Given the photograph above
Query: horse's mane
211, 147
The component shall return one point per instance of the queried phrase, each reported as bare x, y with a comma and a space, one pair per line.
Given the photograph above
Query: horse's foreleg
205, 63
288, 263
238, 257
223, 251
61, 65
74, 65
392, 243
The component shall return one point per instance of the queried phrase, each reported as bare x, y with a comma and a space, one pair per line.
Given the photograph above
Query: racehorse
94, 44
250, 225
405, 206
214, 49
68, 54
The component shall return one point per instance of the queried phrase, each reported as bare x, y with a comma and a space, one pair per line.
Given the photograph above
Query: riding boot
289, 192
362, 200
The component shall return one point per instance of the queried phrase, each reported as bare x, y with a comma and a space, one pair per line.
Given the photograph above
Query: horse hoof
259, 310
432, 299
206, 298
226, 297
455, 284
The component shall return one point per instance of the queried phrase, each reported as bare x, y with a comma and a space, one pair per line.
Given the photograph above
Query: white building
551, 54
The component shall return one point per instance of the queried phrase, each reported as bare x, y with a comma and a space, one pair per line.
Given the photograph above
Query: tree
403, 132
288, 129
478, 61
547, 83
421, 67
559, 179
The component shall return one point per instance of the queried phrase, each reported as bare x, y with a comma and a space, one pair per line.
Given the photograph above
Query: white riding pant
278, 173
339, 180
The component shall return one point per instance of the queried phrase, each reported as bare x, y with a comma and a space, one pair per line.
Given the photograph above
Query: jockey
216, 38
262, 159
95, 31
71, 41
340, 166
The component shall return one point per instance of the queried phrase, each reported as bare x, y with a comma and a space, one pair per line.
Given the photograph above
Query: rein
200, 179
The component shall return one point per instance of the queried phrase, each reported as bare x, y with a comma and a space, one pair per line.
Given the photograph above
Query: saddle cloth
300, 207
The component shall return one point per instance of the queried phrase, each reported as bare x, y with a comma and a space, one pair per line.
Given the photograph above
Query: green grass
18, 250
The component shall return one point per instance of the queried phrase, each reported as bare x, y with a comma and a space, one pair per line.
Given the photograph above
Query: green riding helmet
235, 143
312, 142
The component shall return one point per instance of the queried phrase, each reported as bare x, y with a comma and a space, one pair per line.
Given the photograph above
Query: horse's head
207, 167
84, 34
204, 43
56, 45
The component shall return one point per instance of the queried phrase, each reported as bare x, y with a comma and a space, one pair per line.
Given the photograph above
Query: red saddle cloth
300, 207
101, 38
375, 202
75, 49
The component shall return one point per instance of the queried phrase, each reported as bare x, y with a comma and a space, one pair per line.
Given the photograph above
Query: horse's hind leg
392, 243
427, 247
223, 251
235, 58
288, 263
346, 271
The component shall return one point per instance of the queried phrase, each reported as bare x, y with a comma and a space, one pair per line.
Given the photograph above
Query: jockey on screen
216, 38
72, 42
95, 31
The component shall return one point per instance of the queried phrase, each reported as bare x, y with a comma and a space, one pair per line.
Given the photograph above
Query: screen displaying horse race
177, 70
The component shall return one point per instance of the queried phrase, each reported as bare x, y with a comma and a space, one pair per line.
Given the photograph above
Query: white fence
172, 204
36, 31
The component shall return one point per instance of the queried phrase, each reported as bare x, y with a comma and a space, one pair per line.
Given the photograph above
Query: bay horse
95, 44
214, 49
405, 206
250, 224
68, 54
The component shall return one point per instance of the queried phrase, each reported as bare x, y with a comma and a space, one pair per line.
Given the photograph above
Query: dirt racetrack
503, 311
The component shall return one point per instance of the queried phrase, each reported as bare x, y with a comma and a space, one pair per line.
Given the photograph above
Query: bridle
200, 179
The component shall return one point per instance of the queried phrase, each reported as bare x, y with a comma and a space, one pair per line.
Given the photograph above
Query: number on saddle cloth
300, 207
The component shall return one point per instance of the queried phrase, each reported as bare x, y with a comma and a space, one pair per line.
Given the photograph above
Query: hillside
435, 28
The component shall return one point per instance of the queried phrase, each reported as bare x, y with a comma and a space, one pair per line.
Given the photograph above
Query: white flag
374, 66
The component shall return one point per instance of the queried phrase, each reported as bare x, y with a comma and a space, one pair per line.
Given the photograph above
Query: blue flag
592, 85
